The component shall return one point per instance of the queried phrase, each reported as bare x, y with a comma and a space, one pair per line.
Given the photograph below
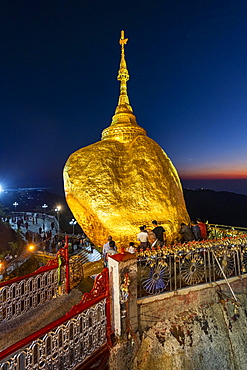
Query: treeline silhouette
218, 207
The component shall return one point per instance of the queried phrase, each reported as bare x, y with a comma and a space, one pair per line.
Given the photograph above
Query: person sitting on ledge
186, 232
131, 248
196, 230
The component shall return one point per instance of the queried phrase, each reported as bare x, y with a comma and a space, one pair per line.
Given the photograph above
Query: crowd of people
145, 237
196, 231
156, 237
42, 231
52, 244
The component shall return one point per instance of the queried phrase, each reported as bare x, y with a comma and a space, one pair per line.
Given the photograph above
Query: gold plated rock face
124, 181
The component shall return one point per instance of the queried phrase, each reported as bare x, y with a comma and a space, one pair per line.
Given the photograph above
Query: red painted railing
19, 295
23, 293
99, 293
27, 276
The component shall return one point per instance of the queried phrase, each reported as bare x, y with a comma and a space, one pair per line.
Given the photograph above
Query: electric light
73, 222
44, 207
15, 205
57, 209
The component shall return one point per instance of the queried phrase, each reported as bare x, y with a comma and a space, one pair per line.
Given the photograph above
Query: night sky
188, 84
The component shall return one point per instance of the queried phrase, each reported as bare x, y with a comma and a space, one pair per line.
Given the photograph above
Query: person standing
159, 231
106, 247
203, 228
142, 237
110, 251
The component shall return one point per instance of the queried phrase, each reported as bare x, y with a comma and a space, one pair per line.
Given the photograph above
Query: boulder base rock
113, 188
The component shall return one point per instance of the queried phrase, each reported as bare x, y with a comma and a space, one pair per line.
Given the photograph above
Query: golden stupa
125, 180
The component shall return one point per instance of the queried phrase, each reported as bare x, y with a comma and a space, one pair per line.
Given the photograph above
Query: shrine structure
124, 181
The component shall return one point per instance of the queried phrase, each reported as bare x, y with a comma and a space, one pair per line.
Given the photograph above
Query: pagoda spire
123, 127
123, 77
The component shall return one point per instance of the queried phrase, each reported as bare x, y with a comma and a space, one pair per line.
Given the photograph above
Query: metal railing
172, 268
68, 341
20, 295
222, 231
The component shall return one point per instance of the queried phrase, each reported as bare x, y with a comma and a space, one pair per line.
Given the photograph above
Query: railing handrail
41, 270
88, 300
191, 264
229, 227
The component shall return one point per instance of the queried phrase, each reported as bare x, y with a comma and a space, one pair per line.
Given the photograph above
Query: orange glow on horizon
216, 171
214, 176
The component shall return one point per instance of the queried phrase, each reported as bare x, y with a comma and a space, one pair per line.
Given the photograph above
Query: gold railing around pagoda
217, 231
170, 268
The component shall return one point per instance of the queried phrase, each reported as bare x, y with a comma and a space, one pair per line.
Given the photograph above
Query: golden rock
124, 181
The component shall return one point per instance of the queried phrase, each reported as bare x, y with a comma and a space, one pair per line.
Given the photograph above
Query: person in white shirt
106, 247
142, 237
110, 251
131, 249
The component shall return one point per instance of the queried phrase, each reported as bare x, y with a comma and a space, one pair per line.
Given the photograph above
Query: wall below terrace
196, 328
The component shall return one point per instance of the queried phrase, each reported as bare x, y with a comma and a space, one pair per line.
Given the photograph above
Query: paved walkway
37, 221
87, 254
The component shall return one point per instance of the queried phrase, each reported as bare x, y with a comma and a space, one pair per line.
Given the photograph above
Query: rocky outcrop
199, 328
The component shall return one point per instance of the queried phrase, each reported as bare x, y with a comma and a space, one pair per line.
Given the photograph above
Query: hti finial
123, 74
122, 41
123, 77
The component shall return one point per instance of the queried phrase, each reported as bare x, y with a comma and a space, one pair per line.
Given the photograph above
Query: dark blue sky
188, 87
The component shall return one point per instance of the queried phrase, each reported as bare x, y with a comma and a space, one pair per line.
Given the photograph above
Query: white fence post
123, 267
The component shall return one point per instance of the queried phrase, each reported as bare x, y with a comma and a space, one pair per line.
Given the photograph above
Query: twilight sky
188, 84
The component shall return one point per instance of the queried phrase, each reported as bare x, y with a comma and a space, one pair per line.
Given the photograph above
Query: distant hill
218, 207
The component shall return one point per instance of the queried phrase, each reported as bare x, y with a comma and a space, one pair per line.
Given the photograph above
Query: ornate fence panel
75, 270
173, 268
19, 295
68, 341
